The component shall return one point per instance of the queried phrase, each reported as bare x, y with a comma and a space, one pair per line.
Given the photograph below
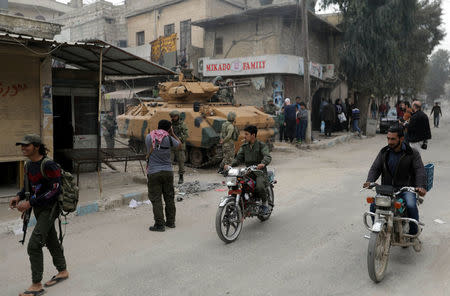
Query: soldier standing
109, 129
229, 96
228, 136
181, 131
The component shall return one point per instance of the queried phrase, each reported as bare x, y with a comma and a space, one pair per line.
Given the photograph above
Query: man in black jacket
418, 128
400, 165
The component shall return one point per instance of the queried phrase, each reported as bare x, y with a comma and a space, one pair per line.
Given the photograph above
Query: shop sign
267, 64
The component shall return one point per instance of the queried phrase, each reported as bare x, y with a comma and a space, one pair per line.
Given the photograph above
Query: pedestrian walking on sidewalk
160, 174
418, 128
329, 115
303, 118
181, 131
40, 194
290, 119
437, 114
356, 115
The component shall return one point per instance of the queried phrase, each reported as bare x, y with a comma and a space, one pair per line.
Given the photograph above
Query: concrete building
148, 20
264, 47
100, 20
44, 10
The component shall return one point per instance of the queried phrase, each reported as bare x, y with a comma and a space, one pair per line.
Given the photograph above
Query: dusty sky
445, 44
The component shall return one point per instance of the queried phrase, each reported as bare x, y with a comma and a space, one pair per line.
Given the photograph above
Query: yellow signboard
163, 45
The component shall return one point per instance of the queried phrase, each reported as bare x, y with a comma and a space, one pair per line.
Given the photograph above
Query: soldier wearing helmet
228, 136
181, 131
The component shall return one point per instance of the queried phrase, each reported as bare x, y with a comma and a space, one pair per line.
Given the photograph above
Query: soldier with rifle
42, 185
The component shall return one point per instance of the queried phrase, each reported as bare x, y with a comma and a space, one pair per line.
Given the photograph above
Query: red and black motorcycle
242, 202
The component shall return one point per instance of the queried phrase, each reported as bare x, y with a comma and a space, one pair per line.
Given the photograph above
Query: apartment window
185, 34
169, 29
218, 46
140, 38
122, 43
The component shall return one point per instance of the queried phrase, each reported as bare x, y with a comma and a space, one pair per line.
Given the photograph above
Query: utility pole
306, 77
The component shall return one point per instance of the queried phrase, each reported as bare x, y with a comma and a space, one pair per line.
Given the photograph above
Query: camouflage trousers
228, 153
180, 156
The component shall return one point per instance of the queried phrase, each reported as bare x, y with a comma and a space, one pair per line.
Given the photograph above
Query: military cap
30, 139
174, 113
231, 116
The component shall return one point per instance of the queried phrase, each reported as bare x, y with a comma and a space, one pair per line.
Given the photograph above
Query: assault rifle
26, 215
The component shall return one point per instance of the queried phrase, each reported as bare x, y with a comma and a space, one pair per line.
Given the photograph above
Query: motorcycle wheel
378, 255
271, 201
229, 217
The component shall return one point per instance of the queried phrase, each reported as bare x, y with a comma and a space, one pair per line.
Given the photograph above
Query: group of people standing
339, 116
293, 120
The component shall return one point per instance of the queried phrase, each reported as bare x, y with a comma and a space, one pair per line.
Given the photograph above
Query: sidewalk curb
338, 140
82, 209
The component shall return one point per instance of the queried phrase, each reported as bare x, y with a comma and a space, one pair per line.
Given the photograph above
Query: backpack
68, 198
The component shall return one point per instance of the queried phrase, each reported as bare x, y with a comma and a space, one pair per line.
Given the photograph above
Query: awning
86, 56
125, 93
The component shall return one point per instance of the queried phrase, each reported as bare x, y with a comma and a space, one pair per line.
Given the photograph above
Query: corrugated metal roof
86, 55
125, 93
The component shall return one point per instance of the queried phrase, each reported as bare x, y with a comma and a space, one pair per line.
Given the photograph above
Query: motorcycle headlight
231, 181
383, 201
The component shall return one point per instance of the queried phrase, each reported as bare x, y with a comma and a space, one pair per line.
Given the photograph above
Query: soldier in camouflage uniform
227, 137
270, 107
254, 152
109, 129
181, 131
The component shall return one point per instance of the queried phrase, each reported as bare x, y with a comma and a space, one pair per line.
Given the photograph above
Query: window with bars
169, 29
218, 46
185, 34
140, 38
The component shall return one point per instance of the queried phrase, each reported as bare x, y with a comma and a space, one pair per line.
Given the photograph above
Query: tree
386, 43
438, 74
425, 36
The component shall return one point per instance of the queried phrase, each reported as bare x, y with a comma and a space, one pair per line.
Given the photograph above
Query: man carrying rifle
40, 194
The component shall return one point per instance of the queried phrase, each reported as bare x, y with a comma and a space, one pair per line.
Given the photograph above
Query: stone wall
29, 27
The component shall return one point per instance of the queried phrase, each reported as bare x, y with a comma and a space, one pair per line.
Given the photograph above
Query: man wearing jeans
437, 113
160, 174
303, 117
400, 166
356, 115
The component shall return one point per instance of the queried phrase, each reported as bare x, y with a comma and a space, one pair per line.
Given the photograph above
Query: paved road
312, 245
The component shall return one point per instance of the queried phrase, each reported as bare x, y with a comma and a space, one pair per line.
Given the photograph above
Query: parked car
387, 121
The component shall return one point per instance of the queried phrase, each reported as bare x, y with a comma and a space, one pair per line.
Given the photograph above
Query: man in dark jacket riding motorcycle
400, 165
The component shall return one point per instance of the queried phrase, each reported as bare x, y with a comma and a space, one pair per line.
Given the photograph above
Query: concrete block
137, 196
87, 209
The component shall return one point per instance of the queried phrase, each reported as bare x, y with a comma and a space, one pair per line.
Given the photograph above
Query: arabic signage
256, 65
163, 45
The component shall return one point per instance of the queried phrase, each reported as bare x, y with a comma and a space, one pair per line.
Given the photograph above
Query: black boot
159, 228
180, 179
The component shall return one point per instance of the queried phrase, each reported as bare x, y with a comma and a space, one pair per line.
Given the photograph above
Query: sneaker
158, 228
180, 179
170, 225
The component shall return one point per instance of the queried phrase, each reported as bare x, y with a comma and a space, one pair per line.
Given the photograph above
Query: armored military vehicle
203, 118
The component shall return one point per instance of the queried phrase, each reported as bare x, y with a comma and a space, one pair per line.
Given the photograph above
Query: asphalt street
312, 245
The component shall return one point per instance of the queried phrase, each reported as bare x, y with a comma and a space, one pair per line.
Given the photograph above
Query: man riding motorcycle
254, 152
400, 165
